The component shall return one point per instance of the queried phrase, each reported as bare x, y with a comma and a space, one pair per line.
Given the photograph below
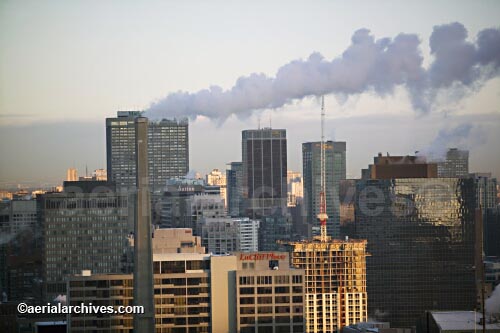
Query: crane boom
322, 216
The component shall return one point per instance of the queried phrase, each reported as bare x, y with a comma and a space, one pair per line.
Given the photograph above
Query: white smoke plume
464, 136
492, 304
367, 65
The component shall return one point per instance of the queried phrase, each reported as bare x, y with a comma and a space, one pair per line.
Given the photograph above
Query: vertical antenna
258, 122
270, 120
322, 216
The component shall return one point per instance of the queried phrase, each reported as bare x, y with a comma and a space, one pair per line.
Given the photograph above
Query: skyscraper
264, 159
456, 164
335, 171
168, 150
421, 237
234, 178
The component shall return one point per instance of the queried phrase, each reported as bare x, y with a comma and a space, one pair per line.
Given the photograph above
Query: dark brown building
389, 167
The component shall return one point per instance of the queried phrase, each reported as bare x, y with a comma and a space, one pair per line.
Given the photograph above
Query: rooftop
462, 320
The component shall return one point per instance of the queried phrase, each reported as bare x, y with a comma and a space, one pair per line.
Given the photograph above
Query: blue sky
67, 65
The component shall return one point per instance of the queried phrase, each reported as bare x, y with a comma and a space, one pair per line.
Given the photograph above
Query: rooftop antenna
322, 216
258, 122
270, 120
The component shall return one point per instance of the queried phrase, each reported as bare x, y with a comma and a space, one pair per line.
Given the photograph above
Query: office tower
491, 223
335, 282
269, 294
456, 164
335, 171
168, 150
421, 238
217, 178
71, 175
219, 235
234, 178
83, 229
248, 232
295, 188
264, 159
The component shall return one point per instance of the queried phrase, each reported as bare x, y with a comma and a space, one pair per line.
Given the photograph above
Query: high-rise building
335, 171
335, 282
71, 175
217, 178
83, 229
421, 238
234, 178
264, 159
168, 150
248, 231
456, 164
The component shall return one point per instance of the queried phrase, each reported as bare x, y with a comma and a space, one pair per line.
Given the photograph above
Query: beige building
71, 175
335, 279
295, 187
269, 294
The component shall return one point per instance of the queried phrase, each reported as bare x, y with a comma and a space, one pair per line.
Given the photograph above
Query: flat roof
461, 320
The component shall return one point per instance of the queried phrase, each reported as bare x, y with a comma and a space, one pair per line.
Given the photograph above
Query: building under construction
335, 282
335, 271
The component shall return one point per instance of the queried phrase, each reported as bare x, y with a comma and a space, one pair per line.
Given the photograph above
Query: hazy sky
67, 65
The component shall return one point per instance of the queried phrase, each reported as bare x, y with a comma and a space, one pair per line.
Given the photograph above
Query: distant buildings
264, 159
168, 150
335, 171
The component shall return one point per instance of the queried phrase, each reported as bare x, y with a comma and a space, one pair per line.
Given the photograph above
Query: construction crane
322, 216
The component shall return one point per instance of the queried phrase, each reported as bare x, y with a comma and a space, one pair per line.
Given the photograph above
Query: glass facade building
264, 159
421, 237
335, 171
168, 150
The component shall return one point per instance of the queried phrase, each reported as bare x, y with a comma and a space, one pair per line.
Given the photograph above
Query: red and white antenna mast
322, 216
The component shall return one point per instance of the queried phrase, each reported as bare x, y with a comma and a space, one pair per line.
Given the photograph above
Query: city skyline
91, 63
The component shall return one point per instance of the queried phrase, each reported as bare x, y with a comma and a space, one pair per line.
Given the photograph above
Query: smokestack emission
143, 257
367, 65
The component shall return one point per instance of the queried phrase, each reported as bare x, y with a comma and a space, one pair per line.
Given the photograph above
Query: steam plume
463, 136
367, 65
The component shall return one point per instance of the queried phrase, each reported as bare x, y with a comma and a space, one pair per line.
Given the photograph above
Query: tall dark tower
264, 161
143, 257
